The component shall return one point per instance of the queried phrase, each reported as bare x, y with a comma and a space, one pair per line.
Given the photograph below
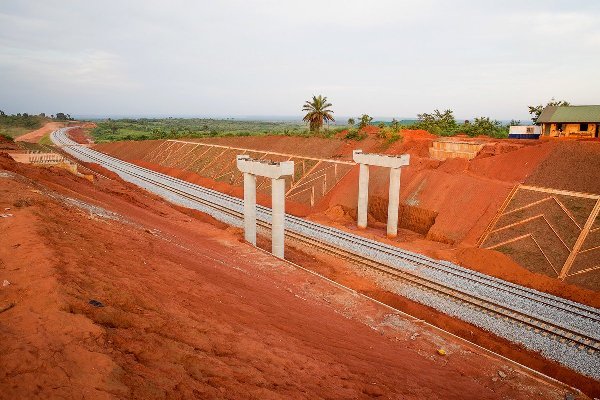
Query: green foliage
395, 125
174, 128
535, 111
355, 135
63, 117
444, 124
438, 123
484, 126
394, 137
351, 122
45, 140
6, 137
21, 120
317, 112
514, 122
365, 120
19, 124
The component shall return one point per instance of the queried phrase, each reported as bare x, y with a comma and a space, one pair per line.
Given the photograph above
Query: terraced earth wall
313, 178
552, 232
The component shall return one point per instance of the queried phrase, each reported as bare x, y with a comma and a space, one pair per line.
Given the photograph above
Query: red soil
572, 165
191, 312
514, 166
35, 136
370, 130
7, 144
80, 135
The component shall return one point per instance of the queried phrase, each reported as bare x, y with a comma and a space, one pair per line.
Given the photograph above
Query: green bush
6, 137
355, 135
394, 137
443, 124
484, 126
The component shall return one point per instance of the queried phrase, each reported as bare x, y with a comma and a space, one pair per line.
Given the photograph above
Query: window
559, 127
529, 129
583, 127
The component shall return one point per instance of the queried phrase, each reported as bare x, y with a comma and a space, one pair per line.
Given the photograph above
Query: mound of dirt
7, 143
80, 135
414, 134
370, 130
514, 166
571, 165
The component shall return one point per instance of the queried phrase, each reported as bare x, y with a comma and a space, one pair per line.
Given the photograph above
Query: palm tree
317, 112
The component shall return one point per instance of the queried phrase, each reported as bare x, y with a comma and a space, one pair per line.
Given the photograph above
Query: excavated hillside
446, 206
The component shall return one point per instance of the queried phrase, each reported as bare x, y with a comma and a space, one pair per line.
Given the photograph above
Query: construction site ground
448, 207
113, 293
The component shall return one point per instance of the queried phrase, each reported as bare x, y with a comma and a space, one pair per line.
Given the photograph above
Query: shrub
485, 126
394, 137
355, 135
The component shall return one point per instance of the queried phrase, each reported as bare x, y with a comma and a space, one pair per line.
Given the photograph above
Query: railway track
558, 322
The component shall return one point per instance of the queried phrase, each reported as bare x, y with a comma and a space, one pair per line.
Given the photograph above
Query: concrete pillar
278, 216
363, 195
250, 208
393, 203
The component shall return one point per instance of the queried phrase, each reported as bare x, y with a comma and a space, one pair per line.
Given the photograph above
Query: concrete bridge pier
278, 217
393, 203
363, 195
277, 171
250, 208
381, 160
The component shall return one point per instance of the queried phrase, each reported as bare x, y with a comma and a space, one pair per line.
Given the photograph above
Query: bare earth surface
190, 312
35, 136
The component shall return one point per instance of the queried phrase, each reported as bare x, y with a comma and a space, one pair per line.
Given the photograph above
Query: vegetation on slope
12, 126
171, 128
443, 123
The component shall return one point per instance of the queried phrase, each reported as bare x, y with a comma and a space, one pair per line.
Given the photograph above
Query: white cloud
87, 68
385, 57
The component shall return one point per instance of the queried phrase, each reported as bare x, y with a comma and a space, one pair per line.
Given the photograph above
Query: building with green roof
570, 121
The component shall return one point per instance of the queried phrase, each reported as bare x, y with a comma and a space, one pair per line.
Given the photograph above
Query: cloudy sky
242, 57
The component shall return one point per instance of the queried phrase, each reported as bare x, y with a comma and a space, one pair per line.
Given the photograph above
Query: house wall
569, 130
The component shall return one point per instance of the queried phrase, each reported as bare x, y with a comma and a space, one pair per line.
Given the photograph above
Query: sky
234, 58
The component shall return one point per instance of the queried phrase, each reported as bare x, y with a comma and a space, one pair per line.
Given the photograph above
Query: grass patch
173, 128
45, 140
355, 134
13, 131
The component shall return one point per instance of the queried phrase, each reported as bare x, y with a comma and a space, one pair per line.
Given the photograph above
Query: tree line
32, 121
442, 123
